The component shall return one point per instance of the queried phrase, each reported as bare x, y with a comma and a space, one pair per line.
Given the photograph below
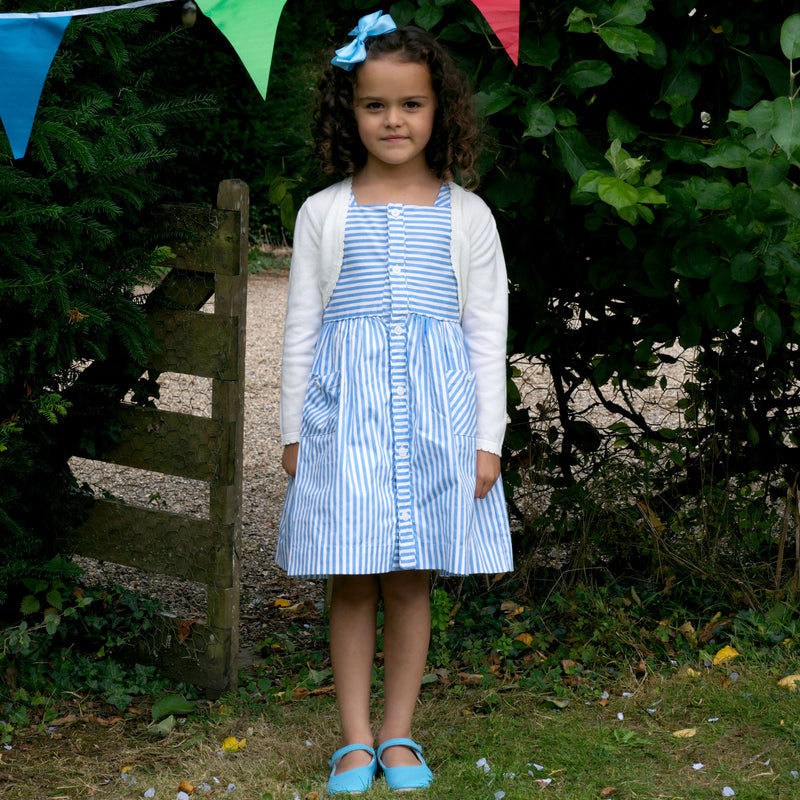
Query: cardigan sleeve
304, 309
484, 320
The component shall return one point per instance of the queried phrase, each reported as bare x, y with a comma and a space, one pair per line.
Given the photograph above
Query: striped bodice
396, 261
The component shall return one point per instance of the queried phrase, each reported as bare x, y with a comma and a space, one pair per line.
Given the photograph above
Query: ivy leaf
542, 52
790, 37
744, 267
491, 101
627, 42
539, 118
765, 170
728, 154
619, 128
786, 131
768, 322
29, 604
583, 75
617, 193
630, 12
681, 82
428, 16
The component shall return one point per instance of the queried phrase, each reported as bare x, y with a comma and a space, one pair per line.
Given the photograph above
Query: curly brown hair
453, 146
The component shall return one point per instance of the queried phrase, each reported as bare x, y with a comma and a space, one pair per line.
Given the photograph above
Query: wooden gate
211, 248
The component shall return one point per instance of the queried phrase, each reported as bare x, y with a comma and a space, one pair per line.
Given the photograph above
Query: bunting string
29, 42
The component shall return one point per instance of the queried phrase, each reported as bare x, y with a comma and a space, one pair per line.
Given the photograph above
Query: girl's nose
392, 117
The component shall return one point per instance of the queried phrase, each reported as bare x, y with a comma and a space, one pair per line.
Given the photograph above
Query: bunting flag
250, 27
28, 46
503, 18
29, 42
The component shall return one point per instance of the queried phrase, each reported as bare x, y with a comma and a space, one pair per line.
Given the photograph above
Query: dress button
395, 212
397, 329
400, 391
402, 451
405, 516
396, 269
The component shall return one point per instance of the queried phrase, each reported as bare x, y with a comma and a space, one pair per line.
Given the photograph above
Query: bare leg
406, 598
352, 633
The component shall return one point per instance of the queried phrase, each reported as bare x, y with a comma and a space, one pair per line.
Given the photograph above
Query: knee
406, 588
355, 590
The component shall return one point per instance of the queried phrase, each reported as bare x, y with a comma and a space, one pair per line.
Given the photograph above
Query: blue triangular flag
27, 48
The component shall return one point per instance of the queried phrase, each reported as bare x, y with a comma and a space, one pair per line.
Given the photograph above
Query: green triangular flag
250, 26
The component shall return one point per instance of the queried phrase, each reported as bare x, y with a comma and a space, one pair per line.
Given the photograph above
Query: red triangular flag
503, 17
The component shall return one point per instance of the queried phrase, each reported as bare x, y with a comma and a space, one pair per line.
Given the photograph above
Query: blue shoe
405, 779
352, 781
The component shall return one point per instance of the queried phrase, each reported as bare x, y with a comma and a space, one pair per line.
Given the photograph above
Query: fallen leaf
473, 679
232, 745
510, 608
790, 682
185, 629
300, 693
608, 791
171, 704
312, 796
684, 733
525, 638
185, 786
282, 602
693, 673
727, 653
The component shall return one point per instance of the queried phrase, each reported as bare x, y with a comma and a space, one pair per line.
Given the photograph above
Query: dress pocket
321, 407
461, 397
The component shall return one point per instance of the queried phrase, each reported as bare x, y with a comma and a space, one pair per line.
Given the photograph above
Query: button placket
398, 382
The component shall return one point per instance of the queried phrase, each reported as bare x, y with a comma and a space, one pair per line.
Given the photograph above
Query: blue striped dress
386, 468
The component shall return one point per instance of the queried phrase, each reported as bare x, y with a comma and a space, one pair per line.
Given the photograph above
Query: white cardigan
477, 259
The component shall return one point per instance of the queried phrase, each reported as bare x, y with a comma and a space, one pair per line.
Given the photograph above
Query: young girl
393, 386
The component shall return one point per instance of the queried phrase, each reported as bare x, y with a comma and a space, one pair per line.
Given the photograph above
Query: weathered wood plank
195, 343
201, 238
172, 443
156, 541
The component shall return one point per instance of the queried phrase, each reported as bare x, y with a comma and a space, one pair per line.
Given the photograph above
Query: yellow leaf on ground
693, 673
525, 638
684, 733
232, 744
281, 602
790, 682
187, 787
726, 654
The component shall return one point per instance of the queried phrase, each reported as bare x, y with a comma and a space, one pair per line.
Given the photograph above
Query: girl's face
395, 106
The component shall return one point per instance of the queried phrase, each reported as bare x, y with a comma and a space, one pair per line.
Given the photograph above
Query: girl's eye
374, 106
412, 104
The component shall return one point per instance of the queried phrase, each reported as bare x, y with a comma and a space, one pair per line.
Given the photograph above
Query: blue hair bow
355, 52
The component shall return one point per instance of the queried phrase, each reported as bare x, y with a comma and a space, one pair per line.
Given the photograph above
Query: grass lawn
497, 742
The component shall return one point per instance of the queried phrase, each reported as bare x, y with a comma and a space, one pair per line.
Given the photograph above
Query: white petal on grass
182, 796
499, 795
713, 719
620, 715
483, 764
727, 791
150, 793
544, 781
231, 788
309, 743
627, 694
795, 774
698, 765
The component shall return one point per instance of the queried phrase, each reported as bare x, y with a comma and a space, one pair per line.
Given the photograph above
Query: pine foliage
71, 256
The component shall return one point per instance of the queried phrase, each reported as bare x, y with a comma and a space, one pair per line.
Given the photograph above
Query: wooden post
227, 404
